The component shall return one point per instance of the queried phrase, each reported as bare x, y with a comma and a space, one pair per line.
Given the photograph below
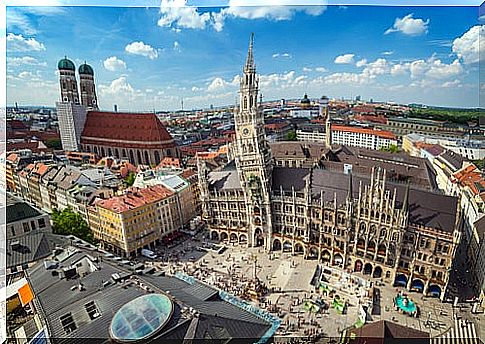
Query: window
92, 310
12, 230
26, 227
68, 323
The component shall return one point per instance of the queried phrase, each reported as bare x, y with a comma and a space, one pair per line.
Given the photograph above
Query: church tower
67, 80
253, 156
88, 90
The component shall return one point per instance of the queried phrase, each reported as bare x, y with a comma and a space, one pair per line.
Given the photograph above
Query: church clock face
245, 132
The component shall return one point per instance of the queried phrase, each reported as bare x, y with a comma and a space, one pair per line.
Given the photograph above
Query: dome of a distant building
86, 69
305, 101
65, 63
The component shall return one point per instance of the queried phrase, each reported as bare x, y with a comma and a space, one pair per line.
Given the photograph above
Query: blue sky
149, 58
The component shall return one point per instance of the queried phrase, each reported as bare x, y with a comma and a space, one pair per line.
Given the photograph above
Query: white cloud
321, 69
440, 70
282, 55
176, 46
25, 60
306, 69
272, 9
140, 48
378, 67
21, 43
432, 67
177, 15
452, 84
399, 69
361, 63
25, 75
345, 78
344, 59
409, 26
216, 84
218, 20
114, 64
387, 53
117, 87
468, 46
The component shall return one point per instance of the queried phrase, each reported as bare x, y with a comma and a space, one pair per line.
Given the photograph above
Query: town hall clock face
245, 131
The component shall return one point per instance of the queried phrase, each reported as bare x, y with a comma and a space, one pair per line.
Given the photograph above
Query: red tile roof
142, 127
135, 198
472, 177
169, 162
370, 118
381, 133
12, 157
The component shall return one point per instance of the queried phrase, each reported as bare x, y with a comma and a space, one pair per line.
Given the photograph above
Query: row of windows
27, 227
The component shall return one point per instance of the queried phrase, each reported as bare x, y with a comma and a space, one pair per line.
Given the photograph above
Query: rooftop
135, 198
384, 329
141, 127
366, 131
198, 311
18, 210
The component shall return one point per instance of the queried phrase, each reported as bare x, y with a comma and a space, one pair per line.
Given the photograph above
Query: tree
130, 179
69, 222
291, 136
53, 144
390, 149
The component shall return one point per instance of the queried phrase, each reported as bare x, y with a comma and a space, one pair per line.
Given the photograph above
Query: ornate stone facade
367, 224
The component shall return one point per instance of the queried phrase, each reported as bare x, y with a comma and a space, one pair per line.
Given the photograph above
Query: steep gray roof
426, 208
27, 248
227, 178
18, 210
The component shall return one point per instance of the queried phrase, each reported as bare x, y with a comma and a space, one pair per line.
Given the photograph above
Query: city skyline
402, 54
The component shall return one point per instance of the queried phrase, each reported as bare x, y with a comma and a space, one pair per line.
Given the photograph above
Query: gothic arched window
250, 102
245, 102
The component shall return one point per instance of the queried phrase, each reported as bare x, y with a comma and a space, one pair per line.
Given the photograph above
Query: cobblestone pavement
290, 277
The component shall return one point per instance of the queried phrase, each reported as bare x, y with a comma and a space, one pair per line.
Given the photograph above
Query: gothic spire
250, 58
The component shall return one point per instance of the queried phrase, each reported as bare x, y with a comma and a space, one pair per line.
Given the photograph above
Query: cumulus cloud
467, 47
432, 67
25, 60
117, 87
272, 9
440, 70
387, 53
114, 64
409, 26
177, 15
140, 48
345, 78
21, 43
306, 69
216, 84
361, 63
321, 69
344, 59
